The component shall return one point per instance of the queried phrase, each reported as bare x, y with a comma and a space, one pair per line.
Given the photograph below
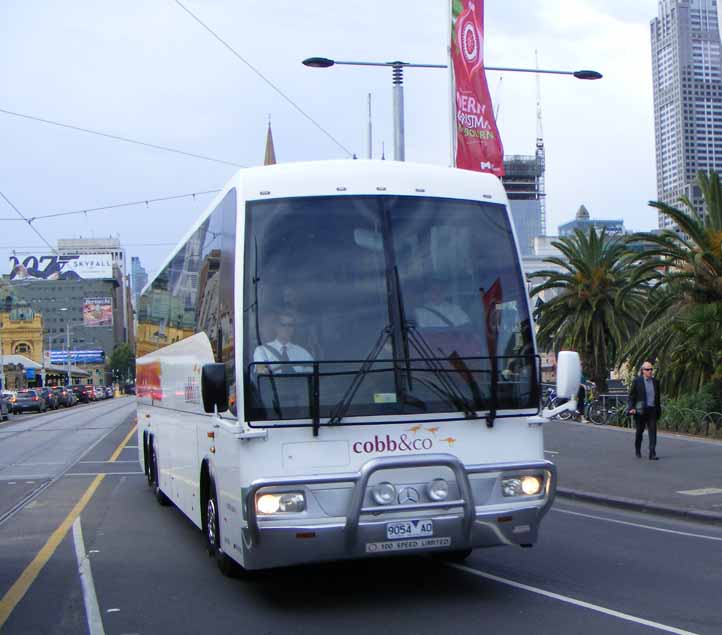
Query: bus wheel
154, 481
226, 565
149, 468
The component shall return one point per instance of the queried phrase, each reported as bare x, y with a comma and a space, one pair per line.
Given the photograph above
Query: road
130, 566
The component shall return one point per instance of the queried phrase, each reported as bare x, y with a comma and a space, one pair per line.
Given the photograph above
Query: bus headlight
522, 486
285, 502
438, 489
384, 493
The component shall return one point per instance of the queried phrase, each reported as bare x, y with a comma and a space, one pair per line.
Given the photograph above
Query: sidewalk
597, 463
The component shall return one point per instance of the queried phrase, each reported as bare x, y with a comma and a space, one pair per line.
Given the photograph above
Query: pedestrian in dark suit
644, 406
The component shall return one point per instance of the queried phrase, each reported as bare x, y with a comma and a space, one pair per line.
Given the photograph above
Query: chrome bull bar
361, 478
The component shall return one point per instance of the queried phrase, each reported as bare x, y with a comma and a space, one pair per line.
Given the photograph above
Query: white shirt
426, 316
295, 354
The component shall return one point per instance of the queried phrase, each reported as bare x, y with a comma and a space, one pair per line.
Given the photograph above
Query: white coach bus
338, 361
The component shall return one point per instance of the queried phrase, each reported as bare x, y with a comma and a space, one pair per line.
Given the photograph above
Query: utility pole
67, 350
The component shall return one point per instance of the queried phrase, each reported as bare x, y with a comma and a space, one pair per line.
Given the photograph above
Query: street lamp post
67, 348
397, 81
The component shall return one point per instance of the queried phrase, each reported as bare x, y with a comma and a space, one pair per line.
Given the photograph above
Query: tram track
67, 466
51, 417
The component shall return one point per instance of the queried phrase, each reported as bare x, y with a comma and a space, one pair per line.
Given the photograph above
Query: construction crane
540, 157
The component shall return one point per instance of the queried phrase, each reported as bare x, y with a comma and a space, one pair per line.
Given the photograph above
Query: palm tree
595, 310
682, 326
692, 259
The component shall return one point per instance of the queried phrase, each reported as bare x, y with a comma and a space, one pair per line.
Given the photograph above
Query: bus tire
212, 531
148, 452
154, 481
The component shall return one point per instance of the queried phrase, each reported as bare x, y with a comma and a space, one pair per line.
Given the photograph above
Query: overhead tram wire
86, 210
119, 138
29, 221
264, 78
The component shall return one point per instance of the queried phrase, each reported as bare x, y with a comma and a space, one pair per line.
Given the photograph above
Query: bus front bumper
456, 525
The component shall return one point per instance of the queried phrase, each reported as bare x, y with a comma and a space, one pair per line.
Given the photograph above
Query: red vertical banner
478, 144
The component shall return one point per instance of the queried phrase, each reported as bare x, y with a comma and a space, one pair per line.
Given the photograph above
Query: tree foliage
595, 310
682, 328
122, 363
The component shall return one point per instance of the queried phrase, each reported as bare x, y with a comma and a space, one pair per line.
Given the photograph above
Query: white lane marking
550, 452
701, 492
92, 611
99, 462
639, 525
569, 600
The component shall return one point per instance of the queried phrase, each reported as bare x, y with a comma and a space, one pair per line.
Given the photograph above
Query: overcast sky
146, 70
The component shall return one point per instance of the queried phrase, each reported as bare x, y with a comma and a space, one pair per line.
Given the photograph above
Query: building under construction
524, 185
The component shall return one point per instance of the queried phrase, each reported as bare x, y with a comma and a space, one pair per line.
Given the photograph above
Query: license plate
409, 529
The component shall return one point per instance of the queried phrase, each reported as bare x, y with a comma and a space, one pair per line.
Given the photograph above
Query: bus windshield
382, 306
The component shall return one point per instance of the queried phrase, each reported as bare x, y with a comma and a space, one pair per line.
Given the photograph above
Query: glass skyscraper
138, 278
687, 97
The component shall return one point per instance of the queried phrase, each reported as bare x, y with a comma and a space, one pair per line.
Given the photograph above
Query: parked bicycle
608, 409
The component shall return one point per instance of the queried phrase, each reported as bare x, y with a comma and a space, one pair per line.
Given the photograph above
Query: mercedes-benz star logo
409, 495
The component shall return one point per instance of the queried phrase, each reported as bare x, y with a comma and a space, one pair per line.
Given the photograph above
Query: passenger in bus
282, 349
437, 311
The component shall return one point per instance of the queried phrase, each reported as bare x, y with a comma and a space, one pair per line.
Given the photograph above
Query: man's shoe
638, 455
653, 457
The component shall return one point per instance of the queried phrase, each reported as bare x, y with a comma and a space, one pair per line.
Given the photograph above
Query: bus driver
281, 349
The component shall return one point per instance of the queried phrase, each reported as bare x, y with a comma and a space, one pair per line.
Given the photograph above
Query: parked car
50, 398
100, 392
109, 392
71, 394
64, 395
29, 400
91, 392
81, 393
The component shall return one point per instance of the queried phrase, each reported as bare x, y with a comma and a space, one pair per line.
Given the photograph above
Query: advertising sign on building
54, 267
92, 356
97, 312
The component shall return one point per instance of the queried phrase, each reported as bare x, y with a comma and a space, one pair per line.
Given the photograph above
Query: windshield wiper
447, 388
341, 408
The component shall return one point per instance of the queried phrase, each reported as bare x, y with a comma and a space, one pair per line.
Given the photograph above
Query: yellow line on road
21, 586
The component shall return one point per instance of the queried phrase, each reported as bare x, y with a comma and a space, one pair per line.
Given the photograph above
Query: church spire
270, 156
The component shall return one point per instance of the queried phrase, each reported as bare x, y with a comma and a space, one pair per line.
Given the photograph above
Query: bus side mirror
213, 387
569, 374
